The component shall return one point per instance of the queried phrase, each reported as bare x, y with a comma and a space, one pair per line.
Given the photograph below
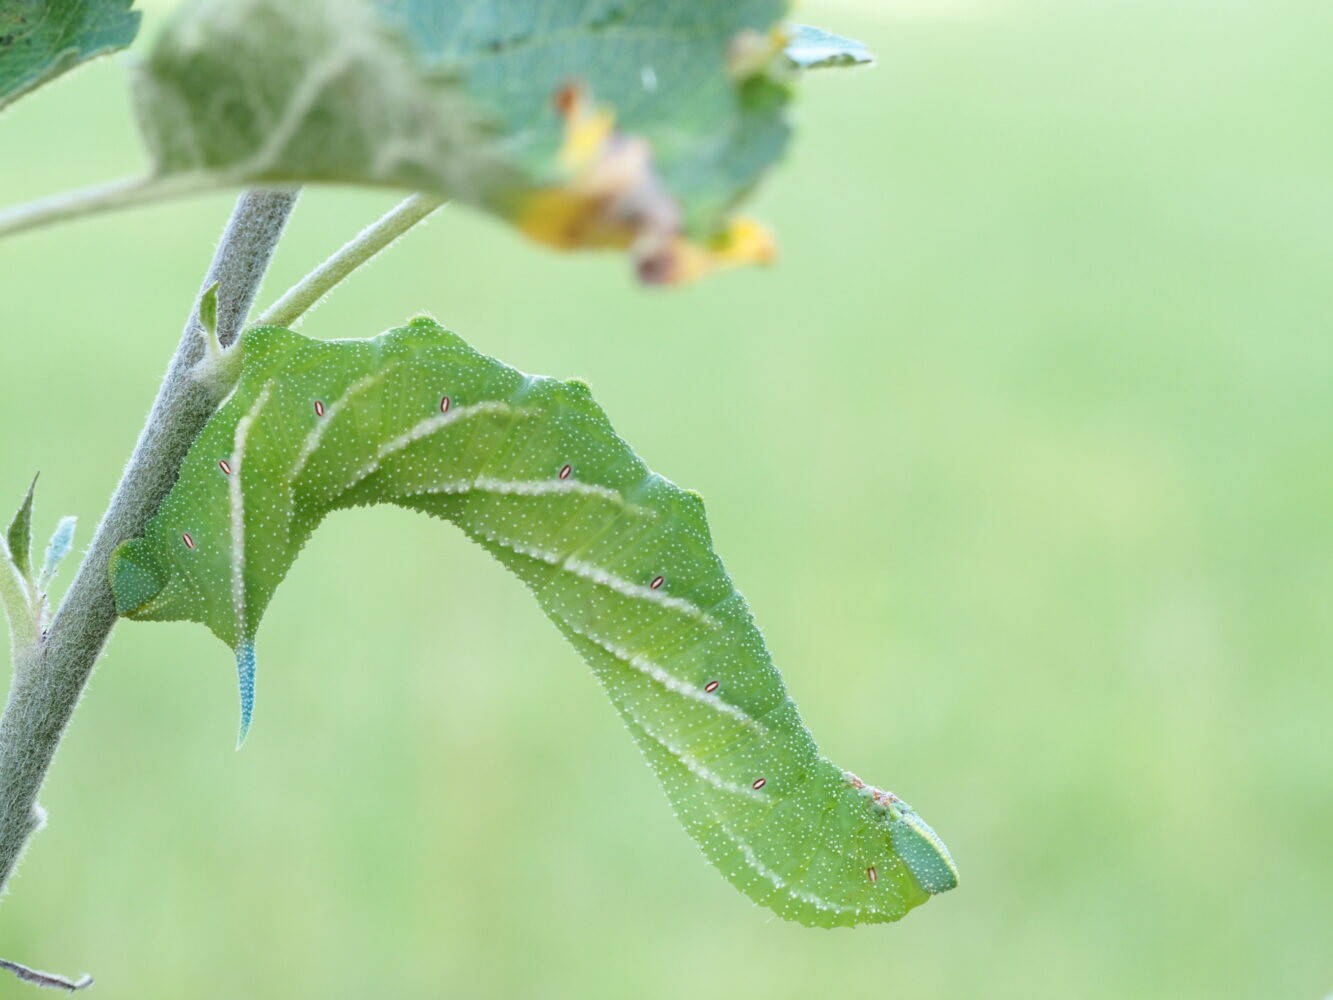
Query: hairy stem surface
101, 198
301, 298
46, 687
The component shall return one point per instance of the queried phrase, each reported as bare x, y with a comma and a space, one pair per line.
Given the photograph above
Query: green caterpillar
618, 557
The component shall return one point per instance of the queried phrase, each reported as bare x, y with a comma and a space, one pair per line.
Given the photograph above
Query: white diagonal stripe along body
236, 498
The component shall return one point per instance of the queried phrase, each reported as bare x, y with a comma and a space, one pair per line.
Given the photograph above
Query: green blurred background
1023, 455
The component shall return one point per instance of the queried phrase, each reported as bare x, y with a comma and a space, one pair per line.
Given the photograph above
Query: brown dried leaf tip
611, 196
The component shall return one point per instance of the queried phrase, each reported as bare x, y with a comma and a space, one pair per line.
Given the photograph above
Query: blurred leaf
607, 123
62, 539
815, 48
41, 39
19, 535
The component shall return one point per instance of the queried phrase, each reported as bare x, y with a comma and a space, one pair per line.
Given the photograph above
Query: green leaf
208, 311
608, 123
41, 39
815, 48
618, 557
19, 535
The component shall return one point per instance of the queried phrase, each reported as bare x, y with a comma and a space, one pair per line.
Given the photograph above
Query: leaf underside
619, 558
815, 48
41, 39
618, 123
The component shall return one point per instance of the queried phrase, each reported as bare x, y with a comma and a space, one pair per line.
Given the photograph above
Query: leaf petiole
100, 198
303, 296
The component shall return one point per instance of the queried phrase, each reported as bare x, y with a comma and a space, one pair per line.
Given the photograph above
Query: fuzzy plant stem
102, 198
50, 677
377, 236
47, 980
